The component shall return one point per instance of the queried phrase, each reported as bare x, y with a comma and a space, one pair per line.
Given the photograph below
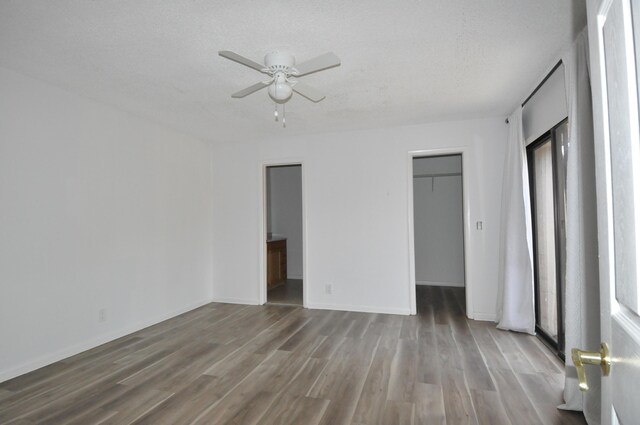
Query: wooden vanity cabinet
276, 262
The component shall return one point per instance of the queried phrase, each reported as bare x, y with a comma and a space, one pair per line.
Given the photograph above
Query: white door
614, 33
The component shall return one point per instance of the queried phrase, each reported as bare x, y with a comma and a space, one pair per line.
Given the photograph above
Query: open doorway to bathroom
284, 234
438, 233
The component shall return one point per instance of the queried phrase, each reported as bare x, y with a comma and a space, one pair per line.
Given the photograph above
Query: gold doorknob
581, 358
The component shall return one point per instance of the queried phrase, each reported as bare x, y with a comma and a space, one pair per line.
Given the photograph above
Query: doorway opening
284, 234
438, 232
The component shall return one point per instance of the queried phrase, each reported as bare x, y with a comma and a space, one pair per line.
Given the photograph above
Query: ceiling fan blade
241, 59
251, 89
307, 91
322, 62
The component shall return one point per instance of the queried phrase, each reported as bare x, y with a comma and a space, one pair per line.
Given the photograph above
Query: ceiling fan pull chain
275, 113
284, 122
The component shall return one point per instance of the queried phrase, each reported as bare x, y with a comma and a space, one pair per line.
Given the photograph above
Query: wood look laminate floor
289, 292
234, 364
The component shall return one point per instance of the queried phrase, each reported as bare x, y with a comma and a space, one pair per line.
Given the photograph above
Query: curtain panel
515, 304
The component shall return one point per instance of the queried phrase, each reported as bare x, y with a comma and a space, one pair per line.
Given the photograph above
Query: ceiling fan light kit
280, 90
281, 67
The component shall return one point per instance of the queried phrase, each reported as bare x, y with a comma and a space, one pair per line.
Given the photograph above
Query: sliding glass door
546, 160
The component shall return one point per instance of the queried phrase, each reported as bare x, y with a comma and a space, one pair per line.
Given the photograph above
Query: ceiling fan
282, 69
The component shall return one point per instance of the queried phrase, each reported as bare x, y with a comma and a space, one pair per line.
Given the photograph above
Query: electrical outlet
102, 315
328, 289
479, 225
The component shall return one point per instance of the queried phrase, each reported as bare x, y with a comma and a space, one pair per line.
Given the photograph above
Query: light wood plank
254, 409
404, 371
307, 377
516, 359
429, 405
5, 393
428, 363
546, 396
517, 405
293, 410
489, 408
374, 392
533, 352
186, 404
231, 364
133, 405
457, 401
398, 413
448, 354
492, 354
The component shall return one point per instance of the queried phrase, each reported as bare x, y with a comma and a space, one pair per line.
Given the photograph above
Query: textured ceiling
403, 61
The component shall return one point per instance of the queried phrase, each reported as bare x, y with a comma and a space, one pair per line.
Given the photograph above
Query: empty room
319, 213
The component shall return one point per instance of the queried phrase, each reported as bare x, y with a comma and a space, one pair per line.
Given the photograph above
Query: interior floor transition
225, 363
289, 292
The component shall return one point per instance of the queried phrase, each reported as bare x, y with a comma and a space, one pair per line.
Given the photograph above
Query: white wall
99, 210
285, 218
546, 108
437, 205
356, 205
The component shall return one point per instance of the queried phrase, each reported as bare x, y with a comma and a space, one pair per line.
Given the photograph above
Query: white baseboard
294, 276
486, 317
430, 283
361, 309
48, 359
231, 300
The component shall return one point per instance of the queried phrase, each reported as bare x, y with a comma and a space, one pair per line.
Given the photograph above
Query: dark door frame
549, 136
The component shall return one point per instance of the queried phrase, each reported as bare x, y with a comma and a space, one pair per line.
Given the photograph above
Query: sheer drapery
515, 304
581, 301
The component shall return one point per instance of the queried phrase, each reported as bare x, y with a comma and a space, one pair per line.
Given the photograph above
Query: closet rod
417, 176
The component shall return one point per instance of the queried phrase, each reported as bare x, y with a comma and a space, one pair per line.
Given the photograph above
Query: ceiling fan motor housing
280, 62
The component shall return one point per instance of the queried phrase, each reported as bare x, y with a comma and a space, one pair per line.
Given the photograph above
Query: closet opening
284, 235
438, 232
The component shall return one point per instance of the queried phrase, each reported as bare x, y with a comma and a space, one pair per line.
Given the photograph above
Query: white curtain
581, 300
515, 305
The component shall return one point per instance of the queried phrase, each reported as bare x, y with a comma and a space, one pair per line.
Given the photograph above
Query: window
547, 165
